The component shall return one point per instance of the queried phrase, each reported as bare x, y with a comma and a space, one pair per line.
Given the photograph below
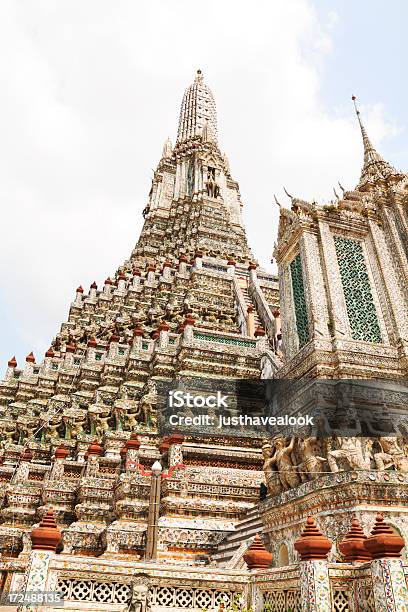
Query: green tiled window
357, 290
221, 340
302, 321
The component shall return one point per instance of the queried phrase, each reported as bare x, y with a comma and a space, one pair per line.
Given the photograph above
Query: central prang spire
198, 111
194, 203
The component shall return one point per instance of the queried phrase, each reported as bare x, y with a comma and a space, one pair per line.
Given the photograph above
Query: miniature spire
46, 536
312, 544
167, 149
256, 555
94, 449
374, 167
383, 542
352, 545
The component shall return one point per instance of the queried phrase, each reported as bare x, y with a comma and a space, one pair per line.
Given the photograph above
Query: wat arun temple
113, 499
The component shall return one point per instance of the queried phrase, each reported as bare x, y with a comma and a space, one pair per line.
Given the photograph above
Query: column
231, 263
154, 513
390, 282
11, 366
314, 285
389, 586
256, 557
188, 324
198, 260
250, 321
45, 540
395, 235
387, 571
336, 300
78, 297
313, 548
290, 342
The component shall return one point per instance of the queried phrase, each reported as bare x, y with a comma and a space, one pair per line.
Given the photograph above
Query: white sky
90, 91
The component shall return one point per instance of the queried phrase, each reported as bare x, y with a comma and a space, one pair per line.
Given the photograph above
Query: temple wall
107, 585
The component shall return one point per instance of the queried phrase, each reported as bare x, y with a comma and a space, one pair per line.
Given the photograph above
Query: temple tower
189, 304
343, 272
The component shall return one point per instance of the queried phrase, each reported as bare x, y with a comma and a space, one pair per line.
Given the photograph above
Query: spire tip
355, 106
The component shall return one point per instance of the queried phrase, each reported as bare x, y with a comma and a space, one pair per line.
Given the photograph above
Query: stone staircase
249, 302
229, 552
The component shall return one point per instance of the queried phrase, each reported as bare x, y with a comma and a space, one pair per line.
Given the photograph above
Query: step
247, 518
239, 537
245, 531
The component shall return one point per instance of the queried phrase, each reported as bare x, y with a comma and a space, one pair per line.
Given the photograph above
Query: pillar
29, 366
387, 571
250, 321
92, 291
137, 339
69, 355
198, 260
175, 451
107, 288
163, 334
11, 366
154, 513
90, 353
336, 302
182, 264
136, 278
79, 296
188, 328
47, 363
130, 453
231, 263
45, 540
151, 274
256, 557
313, 548
122, 282
314, 285
390, 284
389, 586
252, 272
166, 272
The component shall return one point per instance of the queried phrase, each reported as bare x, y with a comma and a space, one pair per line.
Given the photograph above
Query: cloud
92, 90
